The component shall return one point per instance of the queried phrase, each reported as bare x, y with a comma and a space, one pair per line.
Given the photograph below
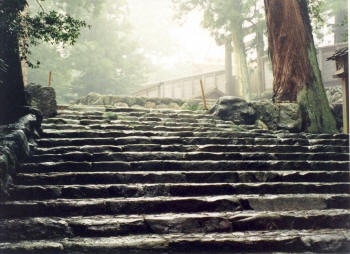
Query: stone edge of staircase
16, 144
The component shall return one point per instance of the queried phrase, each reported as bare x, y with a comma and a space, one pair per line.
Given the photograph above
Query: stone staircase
162, 181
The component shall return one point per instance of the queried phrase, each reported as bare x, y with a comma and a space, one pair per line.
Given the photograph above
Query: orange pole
203, 95
50, 78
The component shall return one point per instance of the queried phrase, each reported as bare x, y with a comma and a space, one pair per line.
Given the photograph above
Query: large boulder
42, 98
264, 114
267, 113
235, 109
290, 117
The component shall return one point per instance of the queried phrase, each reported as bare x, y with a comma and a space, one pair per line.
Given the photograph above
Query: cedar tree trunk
259, 56
340, 29
12, 97
230, 89
239, 52
297, 77
242, 74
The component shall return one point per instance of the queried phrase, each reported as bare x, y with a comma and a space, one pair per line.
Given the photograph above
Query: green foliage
111, 115
52, 27
192, 105
321, 12
105, 59
51, 60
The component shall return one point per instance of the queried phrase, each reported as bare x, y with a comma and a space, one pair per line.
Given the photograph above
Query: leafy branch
52, 27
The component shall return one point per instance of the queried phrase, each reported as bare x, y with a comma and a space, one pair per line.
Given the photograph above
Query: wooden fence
189, 87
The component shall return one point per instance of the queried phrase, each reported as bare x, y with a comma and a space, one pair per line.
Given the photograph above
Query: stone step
170, 140
125, 133
191, 148
104, 115
166, 204
125, 125
136, 127
134, 120
164, 111
307, 241
137, 121
74, 178
44, 192
183, 165
160, 155
151, 114
215, 222
275, 148
173, 131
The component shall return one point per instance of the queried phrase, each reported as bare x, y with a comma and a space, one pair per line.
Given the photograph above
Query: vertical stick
345, 105
203, 95
50, 78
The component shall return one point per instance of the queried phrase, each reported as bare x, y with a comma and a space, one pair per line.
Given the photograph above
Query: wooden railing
189, 87
184, 88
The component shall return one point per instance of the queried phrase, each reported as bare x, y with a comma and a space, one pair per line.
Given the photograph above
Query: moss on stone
316, 113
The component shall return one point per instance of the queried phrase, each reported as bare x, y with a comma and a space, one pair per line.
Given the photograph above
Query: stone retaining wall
16, 141
263, 113
158, 103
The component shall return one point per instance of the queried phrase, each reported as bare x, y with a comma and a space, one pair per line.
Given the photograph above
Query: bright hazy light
173, 44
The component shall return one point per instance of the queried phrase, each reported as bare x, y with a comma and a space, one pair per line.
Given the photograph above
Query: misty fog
132, 43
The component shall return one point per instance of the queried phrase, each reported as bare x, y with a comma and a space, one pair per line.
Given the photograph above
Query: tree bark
12, 97
259, 56
230, 90
240, 57
297, 77
340, 33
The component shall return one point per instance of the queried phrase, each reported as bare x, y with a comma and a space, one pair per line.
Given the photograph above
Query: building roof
339, 53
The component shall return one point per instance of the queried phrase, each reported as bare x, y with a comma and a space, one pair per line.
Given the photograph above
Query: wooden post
203, 95
50, 78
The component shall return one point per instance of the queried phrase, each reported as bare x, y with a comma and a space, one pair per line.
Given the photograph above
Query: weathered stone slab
43, 98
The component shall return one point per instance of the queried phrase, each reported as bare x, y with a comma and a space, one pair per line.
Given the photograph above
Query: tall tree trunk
259, 56
297, 77
242, 74
239, 53
230, 90
340, 27
11, 87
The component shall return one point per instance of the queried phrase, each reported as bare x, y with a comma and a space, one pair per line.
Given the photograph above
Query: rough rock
43, 98
176, 181
173, 105
235, 109
289, 117
124, 102
264, 114
150, 104
121, 105
267, 113
15, 146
